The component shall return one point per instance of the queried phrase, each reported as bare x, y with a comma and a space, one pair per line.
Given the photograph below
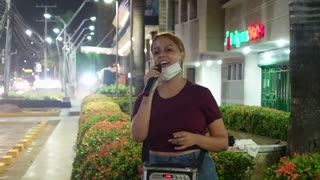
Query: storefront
259, 75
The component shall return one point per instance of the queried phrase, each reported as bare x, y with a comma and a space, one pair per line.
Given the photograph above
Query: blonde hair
172, 37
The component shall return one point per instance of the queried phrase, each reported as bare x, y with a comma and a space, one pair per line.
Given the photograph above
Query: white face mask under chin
171, 71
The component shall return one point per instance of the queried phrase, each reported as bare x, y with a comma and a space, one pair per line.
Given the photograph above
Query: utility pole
7, 50
45, 37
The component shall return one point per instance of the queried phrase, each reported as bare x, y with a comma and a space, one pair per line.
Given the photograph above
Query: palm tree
138, 45
304, 125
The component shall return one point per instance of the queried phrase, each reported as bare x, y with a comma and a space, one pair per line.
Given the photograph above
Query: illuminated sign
27, 70
236, 38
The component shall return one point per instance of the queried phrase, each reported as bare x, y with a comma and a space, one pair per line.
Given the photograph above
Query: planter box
270, 151
36, 103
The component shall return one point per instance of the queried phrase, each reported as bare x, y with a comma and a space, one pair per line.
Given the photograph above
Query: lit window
235, 71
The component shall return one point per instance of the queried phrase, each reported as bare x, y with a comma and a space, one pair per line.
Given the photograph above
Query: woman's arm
140, 121
217, 141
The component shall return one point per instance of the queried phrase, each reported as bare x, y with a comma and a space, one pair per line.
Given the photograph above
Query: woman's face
165, 50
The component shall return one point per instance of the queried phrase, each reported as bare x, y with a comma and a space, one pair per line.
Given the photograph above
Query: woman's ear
182, 56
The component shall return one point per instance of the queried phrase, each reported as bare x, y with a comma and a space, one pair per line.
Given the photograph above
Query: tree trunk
304, 125
138, 45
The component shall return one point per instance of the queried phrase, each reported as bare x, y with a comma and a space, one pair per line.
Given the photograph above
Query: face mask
171, 71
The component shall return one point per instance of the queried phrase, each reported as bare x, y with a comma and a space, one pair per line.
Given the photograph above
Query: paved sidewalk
54, 162
12, 131
55, 156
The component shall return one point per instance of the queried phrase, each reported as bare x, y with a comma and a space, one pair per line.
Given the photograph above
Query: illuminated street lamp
49, 40
56, 30
91, 28
117, 39
47, 16
93, 19
29, 32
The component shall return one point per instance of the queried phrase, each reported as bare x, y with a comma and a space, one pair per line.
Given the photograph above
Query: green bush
116, 116
98, 109
93, 98
123, 103
233, 165
256, 120
27, 96
107, 152
111, 89
300, 166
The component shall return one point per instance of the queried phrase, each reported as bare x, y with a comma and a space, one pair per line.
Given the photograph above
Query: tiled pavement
54, 158
12, 131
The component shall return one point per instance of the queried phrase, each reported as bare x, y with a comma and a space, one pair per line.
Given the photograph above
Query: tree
138, 44
304, 125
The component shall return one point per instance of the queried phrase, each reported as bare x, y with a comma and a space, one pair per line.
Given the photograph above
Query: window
184, 11
235, 71
193, 9
176, 10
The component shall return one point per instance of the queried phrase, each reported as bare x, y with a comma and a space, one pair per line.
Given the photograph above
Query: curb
20, 146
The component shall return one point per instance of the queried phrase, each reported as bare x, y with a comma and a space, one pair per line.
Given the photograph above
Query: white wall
232, 90
210, 77
252, 81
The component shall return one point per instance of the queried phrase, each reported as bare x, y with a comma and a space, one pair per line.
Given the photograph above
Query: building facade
239, 49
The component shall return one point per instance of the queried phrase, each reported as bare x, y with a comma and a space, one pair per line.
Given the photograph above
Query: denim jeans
207, 170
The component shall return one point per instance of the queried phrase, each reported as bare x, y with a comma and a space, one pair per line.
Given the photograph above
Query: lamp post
62, 61
93, 19
74, 15
46, 17
117, 42
91, 29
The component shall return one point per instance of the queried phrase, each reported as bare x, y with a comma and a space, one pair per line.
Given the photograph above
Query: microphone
151, 81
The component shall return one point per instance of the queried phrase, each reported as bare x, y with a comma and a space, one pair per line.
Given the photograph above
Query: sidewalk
54, 162
51, 154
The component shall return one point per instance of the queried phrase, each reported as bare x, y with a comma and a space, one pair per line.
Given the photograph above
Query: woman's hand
183, 139
153, 72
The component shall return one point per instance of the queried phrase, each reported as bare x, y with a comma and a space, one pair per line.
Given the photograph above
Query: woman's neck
172, 87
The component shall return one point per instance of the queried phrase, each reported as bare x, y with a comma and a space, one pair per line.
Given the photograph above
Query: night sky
31, 14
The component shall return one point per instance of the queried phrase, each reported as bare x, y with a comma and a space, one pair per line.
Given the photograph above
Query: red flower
287, 169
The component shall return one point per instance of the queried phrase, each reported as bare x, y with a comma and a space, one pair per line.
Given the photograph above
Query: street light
93, 19
56, 30
49, 40
86, 36
29, 32
74, 15
91, 28
46, 17
117, 39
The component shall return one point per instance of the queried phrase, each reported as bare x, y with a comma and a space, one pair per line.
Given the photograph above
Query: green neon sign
236, 38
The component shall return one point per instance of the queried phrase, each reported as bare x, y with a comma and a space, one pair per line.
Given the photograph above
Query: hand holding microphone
151, 81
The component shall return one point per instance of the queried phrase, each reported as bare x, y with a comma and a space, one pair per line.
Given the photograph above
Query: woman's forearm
140, 121
215, 144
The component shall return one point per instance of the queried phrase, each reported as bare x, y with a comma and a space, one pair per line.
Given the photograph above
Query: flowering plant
300, 166
98, 109
93, 98
233, 165
107, 152
107, 116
